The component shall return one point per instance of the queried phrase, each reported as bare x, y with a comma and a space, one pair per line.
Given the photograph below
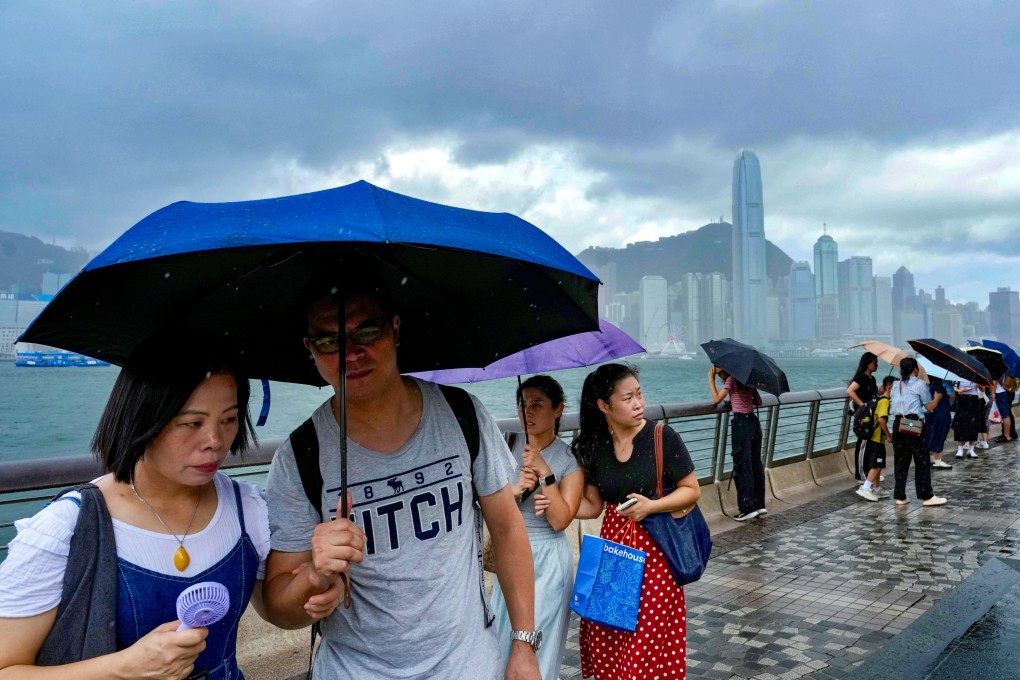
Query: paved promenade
813, 591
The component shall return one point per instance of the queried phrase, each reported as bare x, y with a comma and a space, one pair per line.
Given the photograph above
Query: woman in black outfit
863, 389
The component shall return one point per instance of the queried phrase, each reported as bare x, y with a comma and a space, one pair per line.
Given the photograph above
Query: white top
32, 575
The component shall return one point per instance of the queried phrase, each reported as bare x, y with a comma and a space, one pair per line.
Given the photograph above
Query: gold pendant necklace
181, 557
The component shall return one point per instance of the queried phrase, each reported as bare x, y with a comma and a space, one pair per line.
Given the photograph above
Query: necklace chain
192, 521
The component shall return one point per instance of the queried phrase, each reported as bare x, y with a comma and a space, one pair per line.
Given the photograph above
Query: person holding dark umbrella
419, 608
748, 470
744, 370
909, 403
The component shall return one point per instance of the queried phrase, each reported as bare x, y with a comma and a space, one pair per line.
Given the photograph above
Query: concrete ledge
794, 484
834, 470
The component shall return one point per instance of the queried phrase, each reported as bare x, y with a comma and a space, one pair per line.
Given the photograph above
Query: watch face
538, 640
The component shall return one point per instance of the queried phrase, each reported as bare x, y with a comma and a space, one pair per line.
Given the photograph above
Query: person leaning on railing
911, 401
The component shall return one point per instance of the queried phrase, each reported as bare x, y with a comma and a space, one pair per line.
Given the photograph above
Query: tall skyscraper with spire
827, 287
749, 284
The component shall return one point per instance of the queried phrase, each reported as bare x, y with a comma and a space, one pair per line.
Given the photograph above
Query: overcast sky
897, 124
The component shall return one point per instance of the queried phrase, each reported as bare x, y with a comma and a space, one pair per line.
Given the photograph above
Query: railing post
844, 427
770, 434
719, 452
812, 428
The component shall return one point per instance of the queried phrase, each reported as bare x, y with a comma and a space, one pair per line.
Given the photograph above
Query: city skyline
603, 125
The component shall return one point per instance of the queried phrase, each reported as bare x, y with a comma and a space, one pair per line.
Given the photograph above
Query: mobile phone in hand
626, 504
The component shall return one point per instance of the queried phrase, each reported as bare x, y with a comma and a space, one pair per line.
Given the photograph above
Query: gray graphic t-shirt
562, 463
417, 610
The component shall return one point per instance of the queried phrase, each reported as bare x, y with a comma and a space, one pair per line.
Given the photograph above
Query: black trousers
748, 470
907, 447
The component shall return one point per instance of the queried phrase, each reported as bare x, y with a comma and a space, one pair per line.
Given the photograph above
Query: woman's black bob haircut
154, 384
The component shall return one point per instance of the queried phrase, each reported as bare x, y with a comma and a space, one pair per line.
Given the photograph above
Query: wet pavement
816, 590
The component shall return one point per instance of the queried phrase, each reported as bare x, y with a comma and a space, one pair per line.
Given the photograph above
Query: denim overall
147, 599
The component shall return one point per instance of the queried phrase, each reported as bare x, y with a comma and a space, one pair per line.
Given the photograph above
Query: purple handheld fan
202, 604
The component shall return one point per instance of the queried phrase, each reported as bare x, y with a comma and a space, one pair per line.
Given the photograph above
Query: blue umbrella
1009, 355
470, 286
573, 351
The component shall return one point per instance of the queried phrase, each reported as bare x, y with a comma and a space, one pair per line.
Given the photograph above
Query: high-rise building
827, 287
940, 297
826, 266
856, 296
904, 301
1004, 315
802, 302
947, 325
883, 309
749, 284
655, 330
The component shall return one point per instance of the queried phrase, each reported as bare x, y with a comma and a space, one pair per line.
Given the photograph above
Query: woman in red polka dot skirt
615, 447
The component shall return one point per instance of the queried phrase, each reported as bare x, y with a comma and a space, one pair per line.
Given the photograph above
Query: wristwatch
531, 637
546, 481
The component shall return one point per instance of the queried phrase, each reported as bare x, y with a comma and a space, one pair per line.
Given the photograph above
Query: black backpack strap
305, 444
467, 417
304, 441
464, 410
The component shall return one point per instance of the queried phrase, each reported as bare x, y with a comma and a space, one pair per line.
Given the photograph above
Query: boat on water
56, 360
673, 351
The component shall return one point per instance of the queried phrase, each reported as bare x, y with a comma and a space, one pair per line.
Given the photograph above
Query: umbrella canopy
952, 359
573, 351
990, 358
747, 365
1009, 355
889, 354
933, 371
471, 287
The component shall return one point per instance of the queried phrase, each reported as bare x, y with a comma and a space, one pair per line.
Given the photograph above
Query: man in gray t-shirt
411, 551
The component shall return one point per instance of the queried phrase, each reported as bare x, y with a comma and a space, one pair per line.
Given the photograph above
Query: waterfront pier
826, 586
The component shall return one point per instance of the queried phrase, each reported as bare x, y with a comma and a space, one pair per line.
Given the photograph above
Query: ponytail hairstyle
549, 387
593, 434
907, 368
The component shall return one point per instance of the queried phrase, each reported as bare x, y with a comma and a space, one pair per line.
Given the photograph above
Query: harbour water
51, 412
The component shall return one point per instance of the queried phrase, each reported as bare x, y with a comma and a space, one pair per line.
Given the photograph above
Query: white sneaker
960, 450
982, 444
882, 495
867, 494
970, 453
941, 464
934, 500
744, 516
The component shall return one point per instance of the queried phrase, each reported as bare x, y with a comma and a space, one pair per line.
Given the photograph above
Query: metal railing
795, 427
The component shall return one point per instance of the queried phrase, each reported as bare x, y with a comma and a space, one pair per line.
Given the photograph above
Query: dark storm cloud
111, 110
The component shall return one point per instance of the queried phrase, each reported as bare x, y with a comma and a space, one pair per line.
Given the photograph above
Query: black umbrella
952, 359
990, 359
747, 365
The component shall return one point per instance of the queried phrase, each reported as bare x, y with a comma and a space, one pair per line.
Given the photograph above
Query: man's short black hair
351, 282
152, 388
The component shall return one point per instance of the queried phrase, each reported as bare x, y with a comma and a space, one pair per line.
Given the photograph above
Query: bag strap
305, 444
658, 459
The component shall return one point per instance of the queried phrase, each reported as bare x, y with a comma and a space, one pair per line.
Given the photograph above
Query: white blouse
32, 575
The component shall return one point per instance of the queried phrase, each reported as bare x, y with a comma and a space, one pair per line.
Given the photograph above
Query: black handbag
683, 537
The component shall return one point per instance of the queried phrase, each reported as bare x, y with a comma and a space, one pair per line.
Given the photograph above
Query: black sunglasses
365, 334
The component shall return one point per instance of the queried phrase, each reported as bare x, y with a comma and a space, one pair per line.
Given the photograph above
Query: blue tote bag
685, 541
607, 587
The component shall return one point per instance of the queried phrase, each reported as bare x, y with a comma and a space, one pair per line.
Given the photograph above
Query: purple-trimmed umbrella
572, 351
